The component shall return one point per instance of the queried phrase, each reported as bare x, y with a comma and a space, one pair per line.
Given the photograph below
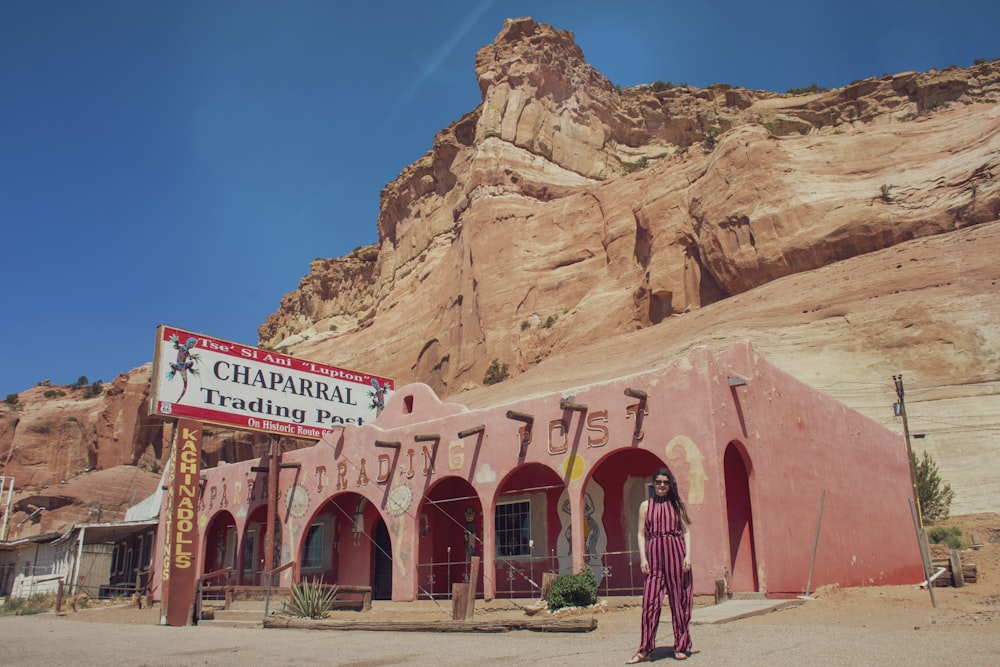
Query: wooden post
548, 578
59, 597
272, 505
470, 605
957, 574
921, 544
819, 522
459, 601
720, 591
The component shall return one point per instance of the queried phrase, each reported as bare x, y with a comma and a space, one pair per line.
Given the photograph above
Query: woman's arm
687, 546
643, 562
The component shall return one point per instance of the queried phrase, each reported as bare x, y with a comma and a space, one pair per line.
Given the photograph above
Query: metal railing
618, 574
202, 588
270, 579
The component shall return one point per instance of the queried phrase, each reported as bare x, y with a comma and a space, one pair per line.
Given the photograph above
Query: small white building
33, 565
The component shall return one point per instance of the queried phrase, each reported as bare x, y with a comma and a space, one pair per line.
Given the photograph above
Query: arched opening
353, 524
251, 569
319, 548
382, 565
449, 533
526, 529
739, 515
616, 487
220, 546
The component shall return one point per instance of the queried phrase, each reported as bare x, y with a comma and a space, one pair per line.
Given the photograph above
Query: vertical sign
180, 549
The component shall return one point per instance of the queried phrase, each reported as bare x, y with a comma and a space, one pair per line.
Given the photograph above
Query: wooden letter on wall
320, 478
429, 459
409, 457
456, 455
383, 468
596, 422
341, 475
558, 448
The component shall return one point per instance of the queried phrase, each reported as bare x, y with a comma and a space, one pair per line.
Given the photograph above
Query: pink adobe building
553, 483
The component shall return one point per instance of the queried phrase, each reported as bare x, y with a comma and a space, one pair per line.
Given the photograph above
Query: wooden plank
459, 601
548, 578
720, 591
958, 577
470, 604
535, 625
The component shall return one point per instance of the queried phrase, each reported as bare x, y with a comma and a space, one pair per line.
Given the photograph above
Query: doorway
742, 555
382, 585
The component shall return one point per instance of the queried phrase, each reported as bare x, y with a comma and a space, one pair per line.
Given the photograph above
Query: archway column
405, 583
489, 548
576, 491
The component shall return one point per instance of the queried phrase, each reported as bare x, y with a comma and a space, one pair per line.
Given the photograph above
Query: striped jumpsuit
665, 553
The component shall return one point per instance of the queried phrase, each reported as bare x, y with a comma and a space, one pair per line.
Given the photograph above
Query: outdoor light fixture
737, 381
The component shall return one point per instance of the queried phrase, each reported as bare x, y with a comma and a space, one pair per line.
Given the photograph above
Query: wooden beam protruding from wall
472, 431
520, 416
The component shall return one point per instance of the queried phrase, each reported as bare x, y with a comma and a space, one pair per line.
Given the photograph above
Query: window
231, 549
147, 548
513, 529
312, 553
249, 551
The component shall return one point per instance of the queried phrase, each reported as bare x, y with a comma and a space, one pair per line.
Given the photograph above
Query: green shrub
53, 393
935, 498
310, 600
660, 86
573, 590
811, 88
886, 193
525, 324
93, 390
496, 373
81, 381
549, 322
949, 535
11, 399
711, 138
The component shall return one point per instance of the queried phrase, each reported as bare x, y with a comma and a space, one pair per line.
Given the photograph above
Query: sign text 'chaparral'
212, 380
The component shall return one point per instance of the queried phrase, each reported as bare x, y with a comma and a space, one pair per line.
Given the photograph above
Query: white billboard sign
212, 380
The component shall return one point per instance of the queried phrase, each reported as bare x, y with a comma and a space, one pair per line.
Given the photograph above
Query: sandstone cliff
574, 230
563, 212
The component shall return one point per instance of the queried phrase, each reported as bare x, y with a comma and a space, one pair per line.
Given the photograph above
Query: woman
665, 557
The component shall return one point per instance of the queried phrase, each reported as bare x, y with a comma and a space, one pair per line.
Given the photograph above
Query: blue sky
183, 161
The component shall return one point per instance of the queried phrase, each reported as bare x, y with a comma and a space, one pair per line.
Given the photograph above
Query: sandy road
887, 636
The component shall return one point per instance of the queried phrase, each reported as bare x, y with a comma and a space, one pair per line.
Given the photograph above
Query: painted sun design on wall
297, 500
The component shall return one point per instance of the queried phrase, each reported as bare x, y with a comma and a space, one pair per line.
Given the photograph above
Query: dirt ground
891, 625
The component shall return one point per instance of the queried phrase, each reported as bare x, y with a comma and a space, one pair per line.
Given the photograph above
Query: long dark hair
672, 495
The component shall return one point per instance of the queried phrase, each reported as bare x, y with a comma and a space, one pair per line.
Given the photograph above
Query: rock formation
575, 230
563, 212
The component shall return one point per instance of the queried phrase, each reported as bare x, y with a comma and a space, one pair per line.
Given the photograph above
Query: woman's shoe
680, 655
638, 657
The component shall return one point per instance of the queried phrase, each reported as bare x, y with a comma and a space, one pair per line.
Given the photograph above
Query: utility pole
901, 406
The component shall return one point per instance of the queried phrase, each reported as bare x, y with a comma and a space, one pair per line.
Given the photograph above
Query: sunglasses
662, 482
